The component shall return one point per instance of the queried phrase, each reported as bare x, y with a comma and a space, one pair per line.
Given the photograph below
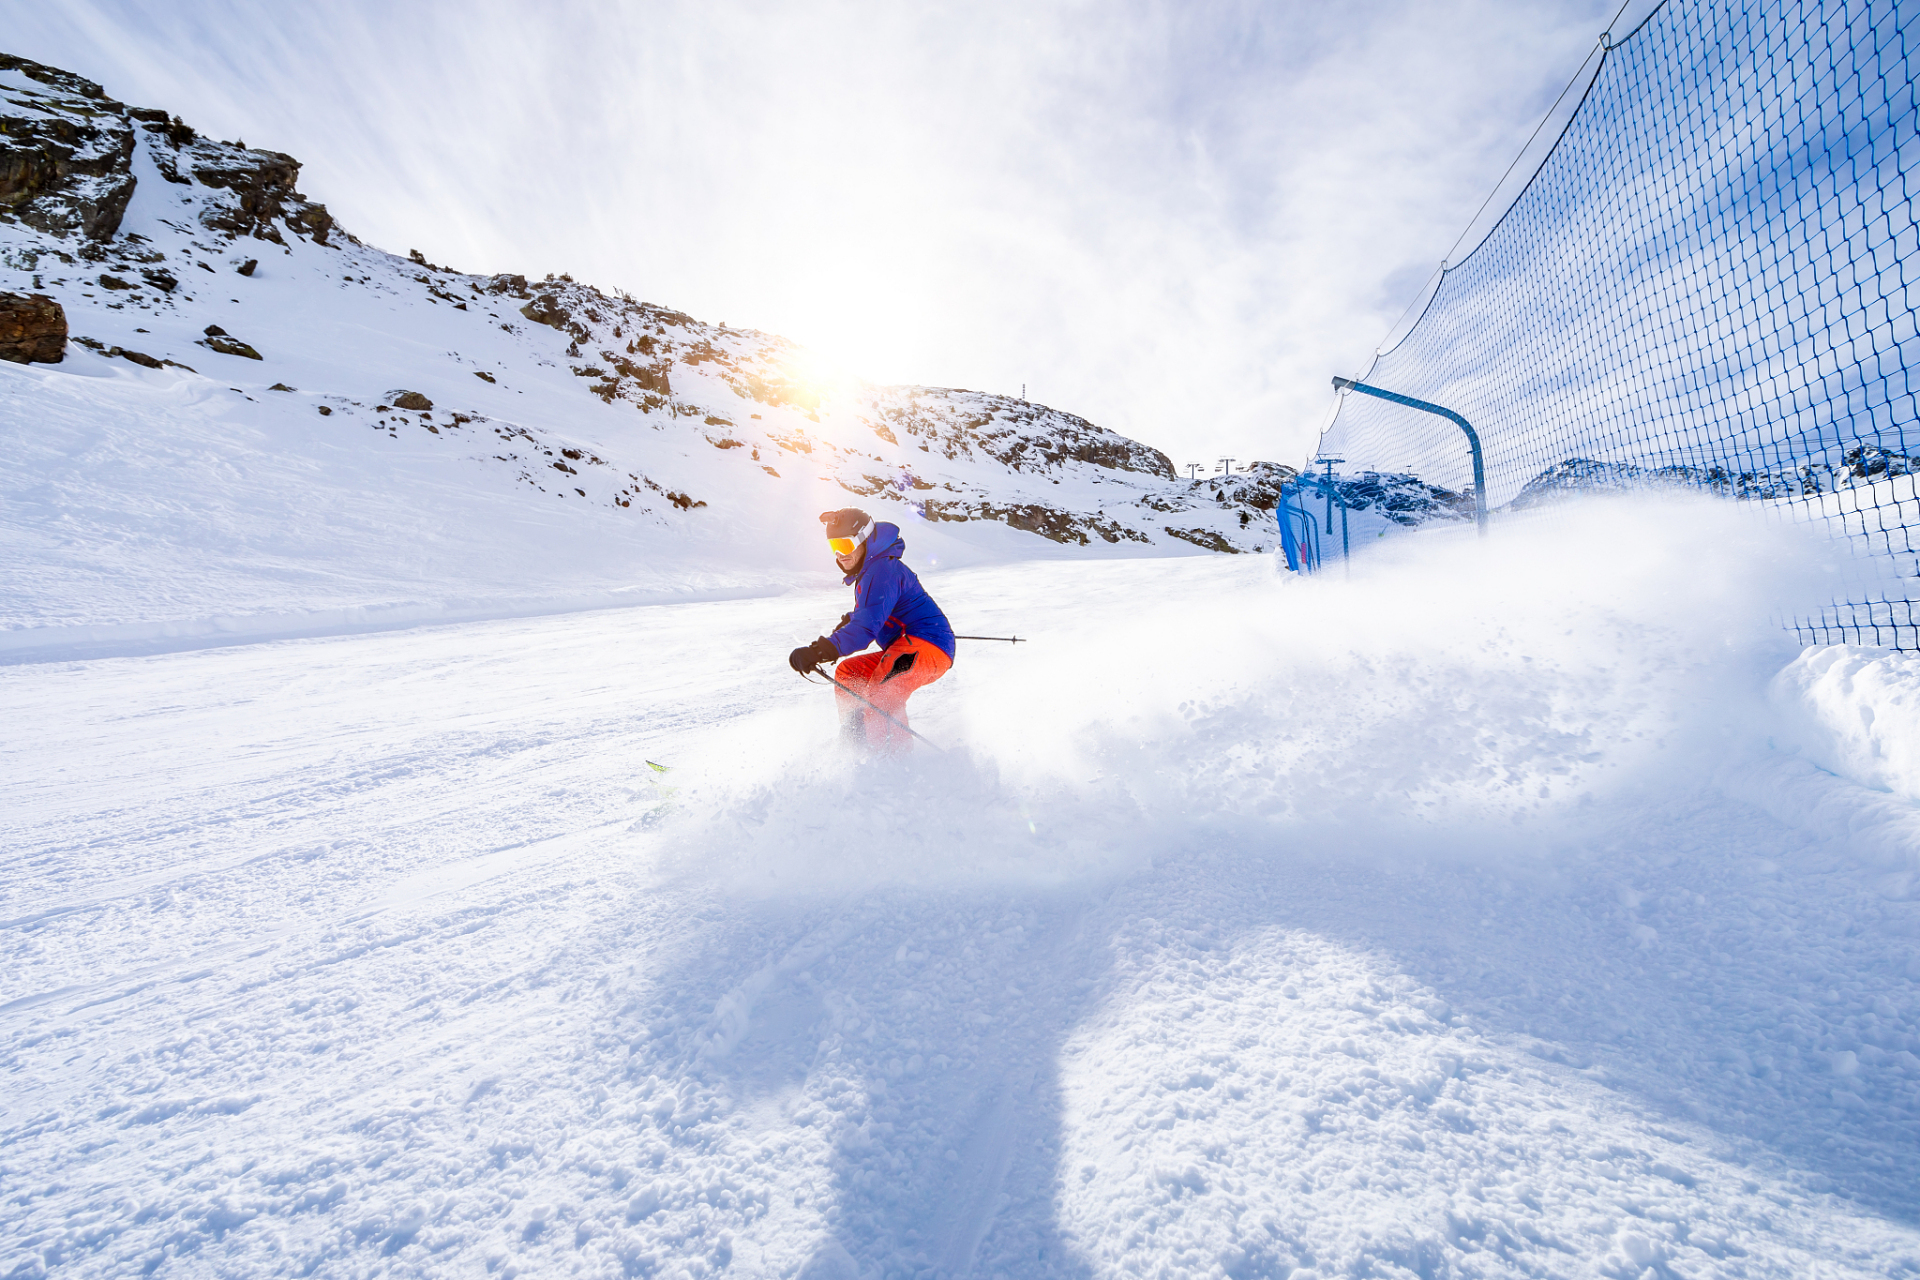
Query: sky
1175, 219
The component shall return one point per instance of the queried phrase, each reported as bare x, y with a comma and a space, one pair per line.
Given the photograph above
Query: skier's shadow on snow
918, 1031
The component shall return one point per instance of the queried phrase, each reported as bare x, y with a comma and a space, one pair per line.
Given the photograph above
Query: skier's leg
908, 664
857, 674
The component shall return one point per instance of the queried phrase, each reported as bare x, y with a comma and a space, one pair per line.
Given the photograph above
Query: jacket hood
884, 543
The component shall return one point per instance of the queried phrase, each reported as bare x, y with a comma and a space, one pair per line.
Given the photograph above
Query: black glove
808, 657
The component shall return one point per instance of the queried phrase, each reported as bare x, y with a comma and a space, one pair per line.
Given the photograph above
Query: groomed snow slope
1455, 920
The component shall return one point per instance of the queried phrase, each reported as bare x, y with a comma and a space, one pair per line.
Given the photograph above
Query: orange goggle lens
843, 546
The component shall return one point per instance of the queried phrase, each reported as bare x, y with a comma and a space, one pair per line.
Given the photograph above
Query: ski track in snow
1299, 952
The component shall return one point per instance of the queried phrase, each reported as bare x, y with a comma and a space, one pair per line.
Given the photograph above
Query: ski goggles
844, 546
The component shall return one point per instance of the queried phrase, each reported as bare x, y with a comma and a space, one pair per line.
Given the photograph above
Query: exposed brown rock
175, 133
137, 357
66, 164
228, 346
1018, 435
33, 329
648, 377
261, 183
1203, 538
66, 154
546, 309
410, 400
1049, 522
1257, 485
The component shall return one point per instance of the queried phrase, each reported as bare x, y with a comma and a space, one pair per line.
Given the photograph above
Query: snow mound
1854, 711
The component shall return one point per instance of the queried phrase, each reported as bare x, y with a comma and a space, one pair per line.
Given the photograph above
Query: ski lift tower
1328, 462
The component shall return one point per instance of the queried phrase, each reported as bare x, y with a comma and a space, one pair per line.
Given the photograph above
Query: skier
890, 607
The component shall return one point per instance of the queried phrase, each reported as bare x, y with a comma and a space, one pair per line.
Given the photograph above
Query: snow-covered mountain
285, 376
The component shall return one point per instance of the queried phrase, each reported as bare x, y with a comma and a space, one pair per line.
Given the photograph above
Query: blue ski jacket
888, 600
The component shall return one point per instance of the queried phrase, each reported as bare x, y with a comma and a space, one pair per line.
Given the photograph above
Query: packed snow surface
1466, 917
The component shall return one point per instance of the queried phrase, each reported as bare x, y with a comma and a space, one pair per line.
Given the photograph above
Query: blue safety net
1711, 281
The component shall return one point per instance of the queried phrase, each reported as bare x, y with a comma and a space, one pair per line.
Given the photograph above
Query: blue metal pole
1473, 438
1328, 526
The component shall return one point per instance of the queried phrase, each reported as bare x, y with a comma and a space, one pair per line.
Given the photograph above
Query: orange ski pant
886, 679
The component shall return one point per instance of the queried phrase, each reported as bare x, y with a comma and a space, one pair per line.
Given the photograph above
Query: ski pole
882, 710
1006, 639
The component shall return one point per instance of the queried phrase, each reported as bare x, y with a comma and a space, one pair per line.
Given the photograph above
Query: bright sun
820, 374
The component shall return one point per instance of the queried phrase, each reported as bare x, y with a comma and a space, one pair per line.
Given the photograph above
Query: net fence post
1473, 438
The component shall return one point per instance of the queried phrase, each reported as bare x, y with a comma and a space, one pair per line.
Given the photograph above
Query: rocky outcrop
547, 309
137, 357
1018, 435
1049, 522
66, 163
1206, 538
1257, 486
66, 152
635, 353
226, 344
33, 329
261, 187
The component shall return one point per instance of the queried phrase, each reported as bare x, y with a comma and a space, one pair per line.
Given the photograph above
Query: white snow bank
1854, 711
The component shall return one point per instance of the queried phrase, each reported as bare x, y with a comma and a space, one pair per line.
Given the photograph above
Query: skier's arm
873, 601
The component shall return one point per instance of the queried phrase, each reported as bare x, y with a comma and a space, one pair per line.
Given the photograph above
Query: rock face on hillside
66, 163
260, 187
66, 152
33, 329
